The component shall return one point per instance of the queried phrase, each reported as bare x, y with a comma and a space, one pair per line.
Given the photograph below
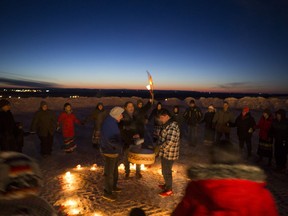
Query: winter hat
19, 176
4, 102
116, 112
43, 103
211, 107
192, 101
246, 109
139, 101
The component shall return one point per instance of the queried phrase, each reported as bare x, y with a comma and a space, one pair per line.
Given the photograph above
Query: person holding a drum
169, 140
111, 147
130, 134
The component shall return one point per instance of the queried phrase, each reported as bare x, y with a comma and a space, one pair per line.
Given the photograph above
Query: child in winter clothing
67, 120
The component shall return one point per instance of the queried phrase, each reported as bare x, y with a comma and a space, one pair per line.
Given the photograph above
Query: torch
150, 86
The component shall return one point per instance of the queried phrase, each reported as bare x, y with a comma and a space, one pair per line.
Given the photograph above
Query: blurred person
20, 183
223, 120
156, 123
178, 117
280, 135
44, 123
226, 187
192, 116
98, 116
265, 145
111, 147
245, 124
11, 133
66, 121
141, 115
129, 133
169, 142
209, 129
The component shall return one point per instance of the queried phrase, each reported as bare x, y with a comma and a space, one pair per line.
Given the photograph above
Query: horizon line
133, 89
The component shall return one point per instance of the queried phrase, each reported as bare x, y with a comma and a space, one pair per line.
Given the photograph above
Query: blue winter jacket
110, 140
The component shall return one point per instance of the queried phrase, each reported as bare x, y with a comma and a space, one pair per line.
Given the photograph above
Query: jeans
46, 143
110, 174
127, 163
166, 166
247, 140
193, 134
220, 134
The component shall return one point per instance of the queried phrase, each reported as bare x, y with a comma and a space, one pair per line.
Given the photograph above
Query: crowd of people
118, 130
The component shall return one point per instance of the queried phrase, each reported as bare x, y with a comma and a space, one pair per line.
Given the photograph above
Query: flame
94, 167
68, 176
70, 203
142, 167
148, 87
133, 166
74, 211
97, 214
121, 166
70, 181
78, 167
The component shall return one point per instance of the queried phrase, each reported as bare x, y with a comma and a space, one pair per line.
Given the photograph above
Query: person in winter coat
192, 116
226, 187
156, 123
222, 121
141, 115
209, 130
44, 123
67, 120
178, 117
111, 146
11, 133
280, 135
169, 143
98, 116
129, 133
20, 184
245, 124
265, 146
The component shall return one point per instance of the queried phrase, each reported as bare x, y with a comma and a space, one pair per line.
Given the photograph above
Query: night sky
203, 45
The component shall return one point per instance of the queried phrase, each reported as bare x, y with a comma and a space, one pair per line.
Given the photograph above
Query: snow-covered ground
80, 192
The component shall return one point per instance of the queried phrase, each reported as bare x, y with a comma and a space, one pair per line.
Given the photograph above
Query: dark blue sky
204, 45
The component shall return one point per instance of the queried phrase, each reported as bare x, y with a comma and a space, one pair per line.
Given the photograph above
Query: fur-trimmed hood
224, 171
